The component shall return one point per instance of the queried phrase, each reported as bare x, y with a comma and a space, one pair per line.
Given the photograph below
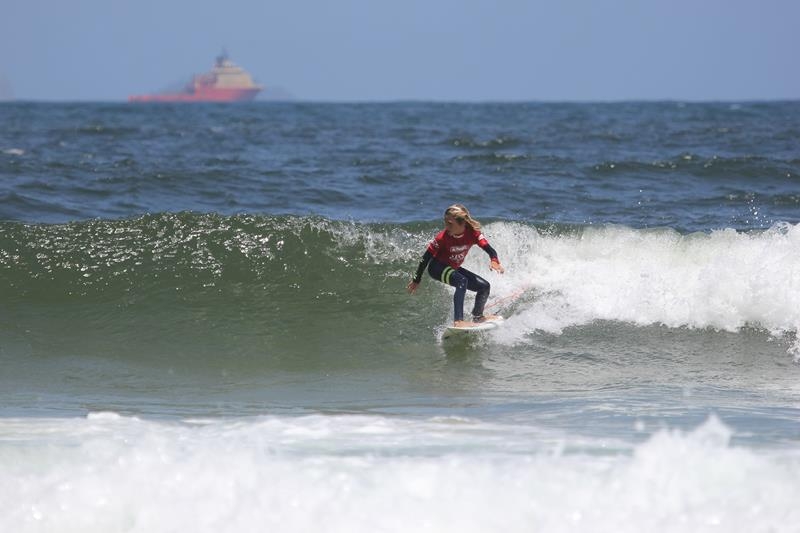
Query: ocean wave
202, 288
175, 250
713, 168
365, 473
493, 158
498, 142
165, 272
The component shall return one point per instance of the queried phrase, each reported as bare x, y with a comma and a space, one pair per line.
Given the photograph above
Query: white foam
359, 473
725, 280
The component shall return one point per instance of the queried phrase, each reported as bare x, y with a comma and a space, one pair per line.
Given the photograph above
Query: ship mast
222, 58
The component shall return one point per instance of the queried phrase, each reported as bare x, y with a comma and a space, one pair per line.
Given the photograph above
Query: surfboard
453, 331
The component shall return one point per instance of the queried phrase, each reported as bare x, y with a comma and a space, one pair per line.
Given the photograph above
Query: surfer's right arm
426, 258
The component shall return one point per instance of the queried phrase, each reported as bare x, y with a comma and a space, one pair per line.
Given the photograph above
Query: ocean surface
204, 324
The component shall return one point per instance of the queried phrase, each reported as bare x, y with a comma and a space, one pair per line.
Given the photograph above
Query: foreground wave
198, 282
107, 472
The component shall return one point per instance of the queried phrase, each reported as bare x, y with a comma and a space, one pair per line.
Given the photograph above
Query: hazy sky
361, 50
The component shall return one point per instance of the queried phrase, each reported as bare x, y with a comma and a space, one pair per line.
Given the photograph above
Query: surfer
444, 256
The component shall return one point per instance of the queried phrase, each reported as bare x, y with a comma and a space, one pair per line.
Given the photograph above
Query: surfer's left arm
494, 263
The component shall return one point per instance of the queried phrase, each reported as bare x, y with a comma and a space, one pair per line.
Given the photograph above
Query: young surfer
444, 256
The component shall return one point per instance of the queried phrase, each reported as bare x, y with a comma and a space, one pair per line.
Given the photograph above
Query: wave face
201, 286
210, 284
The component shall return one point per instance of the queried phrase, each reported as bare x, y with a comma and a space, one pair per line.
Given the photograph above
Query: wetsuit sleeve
426, 258
484, 244
492, 253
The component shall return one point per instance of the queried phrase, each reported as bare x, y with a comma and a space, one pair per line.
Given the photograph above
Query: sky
381, 50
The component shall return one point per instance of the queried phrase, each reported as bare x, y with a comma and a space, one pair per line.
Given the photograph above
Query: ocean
204, 323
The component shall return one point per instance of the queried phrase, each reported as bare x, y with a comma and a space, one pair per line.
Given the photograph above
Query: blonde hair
458, 211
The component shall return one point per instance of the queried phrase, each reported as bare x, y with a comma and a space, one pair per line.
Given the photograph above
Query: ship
226, 82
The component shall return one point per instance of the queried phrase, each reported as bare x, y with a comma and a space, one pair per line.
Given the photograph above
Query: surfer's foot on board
464, 324
485, 318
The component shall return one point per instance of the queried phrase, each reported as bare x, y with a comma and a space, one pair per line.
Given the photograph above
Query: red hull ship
227, 82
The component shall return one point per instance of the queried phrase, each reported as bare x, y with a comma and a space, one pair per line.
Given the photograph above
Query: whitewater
721, 280
362, 473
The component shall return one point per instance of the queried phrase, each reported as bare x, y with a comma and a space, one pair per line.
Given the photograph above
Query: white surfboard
453, 331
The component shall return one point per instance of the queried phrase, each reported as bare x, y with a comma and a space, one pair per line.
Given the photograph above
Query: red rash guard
452, 251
